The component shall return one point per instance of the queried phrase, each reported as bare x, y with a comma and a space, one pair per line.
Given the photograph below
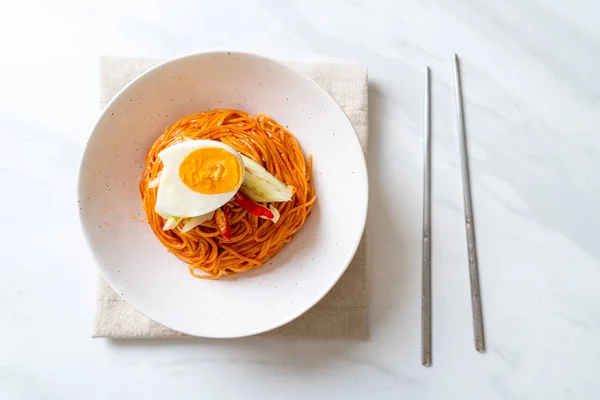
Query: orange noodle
253, 240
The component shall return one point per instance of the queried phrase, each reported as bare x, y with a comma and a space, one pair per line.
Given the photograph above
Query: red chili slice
253, 208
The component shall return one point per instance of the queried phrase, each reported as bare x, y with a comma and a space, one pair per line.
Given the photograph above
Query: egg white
174, 197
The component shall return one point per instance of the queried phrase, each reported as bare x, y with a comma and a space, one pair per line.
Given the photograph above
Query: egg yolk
210, 170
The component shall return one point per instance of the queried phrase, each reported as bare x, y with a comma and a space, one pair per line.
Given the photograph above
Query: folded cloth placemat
342, 313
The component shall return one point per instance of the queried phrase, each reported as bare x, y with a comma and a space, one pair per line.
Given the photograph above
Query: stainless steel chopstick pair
470, 228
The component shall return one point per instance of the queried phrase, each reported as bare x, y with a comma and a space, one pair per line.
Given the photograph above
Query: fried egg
198, 177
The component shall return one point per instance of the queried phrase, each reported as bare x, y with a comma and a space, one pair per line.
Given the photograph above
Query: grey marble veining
532, 101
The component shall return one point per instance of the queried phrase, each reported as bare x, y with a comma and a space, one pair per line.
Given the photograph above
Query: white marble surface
532, 92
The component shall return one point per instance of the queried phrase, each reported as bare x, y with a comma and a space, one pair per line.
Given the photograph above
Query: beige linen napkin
342, 313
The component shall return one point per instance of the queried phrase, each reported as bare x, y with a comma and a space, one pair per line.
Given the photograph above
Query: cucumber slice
252, 195
275, 212
263, 189
255, 169
171, 223
191, 223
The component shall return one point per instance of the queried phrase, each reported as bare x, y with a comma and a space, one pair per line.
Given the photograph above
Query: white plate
153, 280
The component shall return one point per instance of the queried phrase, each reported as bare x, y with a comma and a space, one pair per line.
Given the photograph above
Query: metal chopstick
426, 279
472, 250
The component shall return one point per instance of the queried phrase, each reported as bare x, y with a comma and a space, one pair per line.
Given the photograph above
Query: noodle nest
253, 240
